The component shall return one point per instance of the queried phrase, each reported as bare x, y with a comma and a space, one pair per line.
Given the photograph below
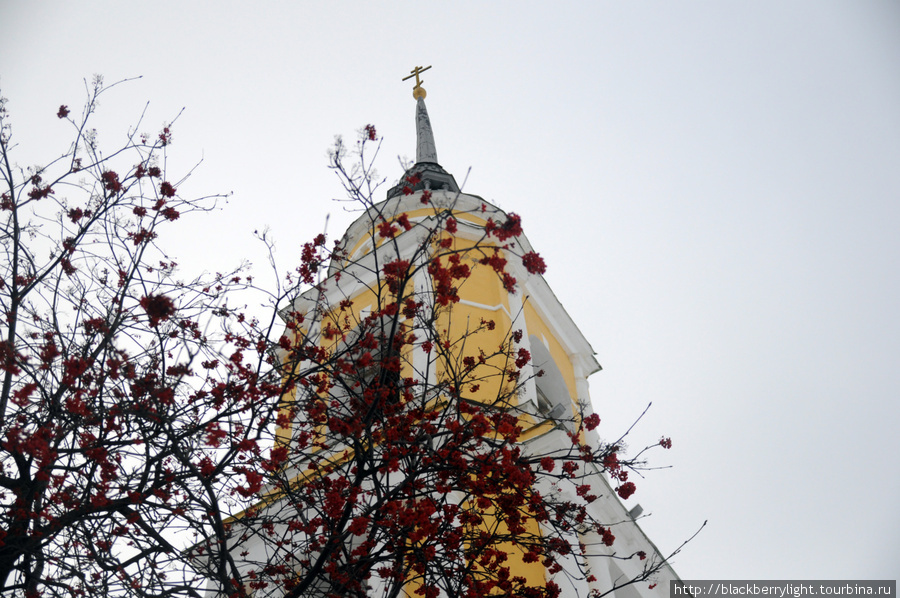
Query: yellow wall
482, 298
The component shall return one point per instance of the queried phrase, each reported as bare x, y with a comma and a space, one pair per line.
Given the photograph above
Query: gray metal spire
425, 149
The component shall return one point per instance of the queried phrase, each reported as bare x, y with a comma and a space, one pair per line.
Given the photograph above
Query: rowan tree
158, 440
117, 374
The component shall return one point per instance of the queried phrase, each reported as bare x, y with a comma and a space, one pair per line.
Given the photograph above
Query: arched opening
553, 400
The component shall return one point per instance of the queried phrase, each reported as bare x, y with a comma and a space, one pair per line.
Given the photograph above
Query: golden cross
418, 90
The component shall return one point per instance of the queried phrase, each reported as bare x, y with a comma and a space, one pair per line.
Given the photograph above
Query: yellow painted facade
482, 298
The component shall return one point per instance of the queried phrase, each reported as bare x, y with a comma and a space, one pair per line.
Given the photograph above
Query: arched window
553, 400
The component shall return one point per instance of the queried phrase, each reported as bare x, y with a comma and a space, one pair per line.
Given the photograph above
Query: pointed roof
425, 149
426, 172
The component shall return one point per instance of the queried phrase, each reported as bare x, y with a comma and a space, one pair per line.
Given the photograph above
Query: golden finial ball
419, 92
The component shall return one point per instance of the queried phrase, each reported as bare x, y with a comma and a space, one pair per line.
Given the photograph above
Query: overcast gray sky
715, 187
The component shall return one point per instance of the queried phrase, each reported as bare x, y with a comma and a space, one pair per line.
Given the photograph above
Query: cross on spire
418, 90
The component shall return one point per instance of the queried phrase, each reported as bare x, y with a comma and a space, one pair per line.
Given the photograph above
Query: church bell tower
434, 320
